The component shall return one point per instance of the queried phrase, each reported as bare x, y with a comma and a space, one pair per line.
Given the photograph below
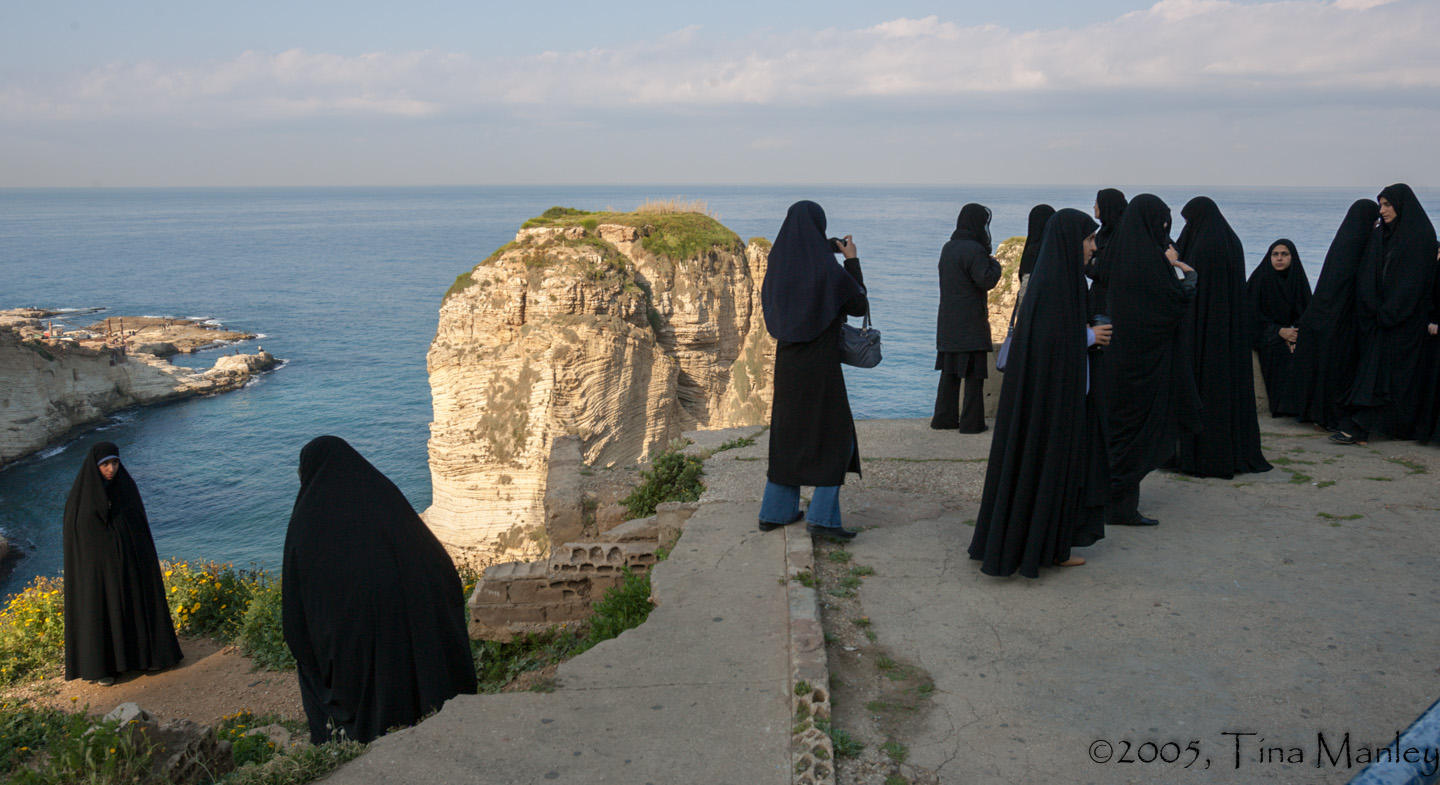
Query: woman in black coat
116, 616
1393, 295
806, 297
372, 607
1216, 341
812, 435
1038, 501
962, 328
1324, 361
1277, 295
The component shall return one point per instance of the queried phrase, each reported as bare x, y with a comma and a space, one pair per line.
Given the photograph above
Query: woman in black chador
373, 609
1276, 296
962, 328
1324, 360
1109, 207
1152, 395
1216, 341
1393, 301
1046, 483
1035, 231
806, 297
116, 616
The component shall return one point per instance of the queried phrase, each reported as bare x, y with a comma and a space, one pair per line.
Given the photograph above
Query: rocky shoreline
55, 379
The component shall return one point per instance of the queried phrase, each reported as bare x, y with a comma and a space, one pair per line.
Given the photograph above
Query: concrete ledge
811, 752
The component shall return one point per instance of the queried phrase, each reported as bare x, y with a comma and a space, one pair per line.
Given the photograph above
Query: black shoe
766, 526
1341, 437
836, 533
1140, 520
983, 429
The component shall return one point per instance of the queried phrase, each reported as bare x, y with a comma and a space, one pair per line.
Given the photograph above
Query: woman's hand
1103, 333
848, 249
1171, 254
1181, 266
1435, 329
1290, 334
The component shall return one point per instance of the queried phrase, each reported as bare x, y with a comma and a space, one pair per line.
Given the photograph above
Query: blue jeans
781, 502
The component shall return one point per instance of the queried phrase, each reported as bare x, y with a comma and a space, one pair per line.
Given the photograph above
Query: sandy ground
211, 682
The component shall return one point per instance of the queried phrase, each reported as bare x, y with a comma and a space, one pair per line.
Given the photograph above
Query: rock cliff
48, 388
619, 329
1002, 297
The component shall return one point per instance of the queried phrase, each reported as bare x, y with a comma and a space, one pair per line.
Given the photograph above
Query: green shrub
623, 607
26, 729
246, 749
497, 664
261, 636
103, 754
32, 632
672, 478
208, 598
303, 764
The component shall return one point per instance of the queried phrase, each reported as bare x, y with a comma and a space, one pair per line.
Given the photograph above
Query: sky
1117, 92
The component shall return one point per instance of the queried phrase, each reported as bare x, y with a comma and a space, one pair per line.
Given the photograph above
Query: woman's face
109, 469
1387, 210
1089, 247
1095, 210
1280, 258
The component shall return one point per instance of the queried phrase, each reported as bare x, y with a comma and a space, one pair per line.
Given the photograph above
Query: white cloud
1222, 47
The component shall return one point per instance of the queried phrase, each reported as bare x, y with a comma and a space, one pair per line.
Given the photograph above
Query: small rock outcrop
1002, 297
52, 385
618, 329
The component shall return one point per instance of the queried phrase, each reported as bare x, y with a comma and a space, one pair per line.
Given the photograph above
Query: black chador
806, 297
962, 325
1152, 396
1324, 360
116, 616
1276, 299
1038, 502
1216, 341
1039, 216
373, 608
1393, 302
1427, 427
1109, 207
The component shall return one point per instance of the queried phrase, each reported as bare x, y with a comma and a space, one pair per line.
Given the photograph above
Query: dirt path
211, 682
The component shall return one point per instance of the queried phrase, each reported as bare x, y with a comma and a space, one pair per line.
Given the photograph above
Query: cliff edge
620, 329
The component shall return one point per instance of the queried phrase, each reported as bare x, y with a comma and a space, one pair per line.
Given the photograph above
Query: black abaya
812, 433
1151, 396
116, 616
1034, 505
1111, 203
1324, 360
1216, 339
1393, 295
1276, 299
372, 604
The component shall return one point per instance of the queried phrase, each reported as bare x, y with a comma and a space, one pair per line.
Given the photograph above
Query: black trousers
949, 414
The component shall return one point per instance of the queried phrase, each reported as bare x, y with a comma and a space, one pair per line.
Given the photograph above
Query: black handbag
860, 346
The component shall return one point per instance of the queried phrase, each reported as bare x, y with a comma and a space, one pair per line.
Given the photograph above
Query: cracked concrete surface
1246, 610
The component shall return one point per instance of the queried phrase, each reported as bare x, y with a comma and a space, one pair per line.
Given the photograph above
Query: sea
344, 284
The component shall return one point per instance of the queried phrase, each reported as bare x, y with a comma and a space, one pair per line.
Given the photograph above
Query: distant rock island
621, 330
54, 379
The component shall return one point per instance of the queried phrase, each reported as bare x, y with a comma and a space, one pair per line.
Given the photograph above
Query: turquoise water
345, 285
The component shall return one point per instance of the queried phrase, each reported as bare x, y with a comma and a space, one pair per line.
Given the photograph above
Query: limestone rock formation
50, 387
619, 329
1002, 297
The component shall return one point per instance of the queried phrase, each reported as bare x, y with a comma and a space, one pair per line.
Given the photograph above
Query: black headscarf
372, 603
1148, 390
973, 223
1033, 494
116, 615
1112, 206
1324, 362
1039, 216
1216, 341
1277, 297
1393, 292
804, 288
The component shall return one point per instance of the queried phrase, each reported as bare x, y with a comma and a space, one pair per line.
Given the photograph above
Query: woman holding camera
806, 297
